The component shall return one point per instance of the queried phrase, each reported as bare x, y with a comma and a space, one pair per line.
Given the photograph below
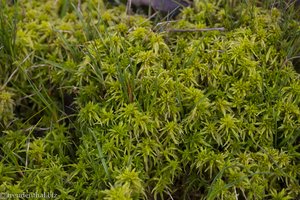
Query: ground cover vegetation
97, 104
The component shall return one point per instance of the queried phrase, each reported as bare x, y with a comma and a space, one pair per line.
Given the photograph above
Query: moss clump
95, 104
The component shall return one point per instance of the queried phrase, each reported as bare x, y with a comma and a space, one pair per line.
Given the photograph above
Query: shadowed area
164, 6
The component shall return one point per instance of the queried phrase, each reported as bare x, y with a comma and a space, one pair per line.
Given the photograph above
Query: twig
128, 7
236, 194
289, 59
196, 30
243, 192
165, 23
27, 154
170, 195
79, 6
36, 128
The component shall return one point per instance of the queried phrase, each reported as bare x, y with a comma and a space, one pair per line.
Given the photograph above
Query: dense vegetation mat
96, 104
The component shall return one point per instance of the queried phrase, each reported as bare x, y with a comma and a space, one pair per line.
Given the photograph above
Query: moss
97, 104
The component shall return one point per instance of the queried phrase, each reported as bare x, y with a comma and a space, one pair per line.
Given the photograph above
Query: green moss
95, 104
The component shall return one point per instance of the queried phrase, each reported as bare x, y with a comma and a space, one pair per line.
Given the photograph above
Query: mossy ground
96, 104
